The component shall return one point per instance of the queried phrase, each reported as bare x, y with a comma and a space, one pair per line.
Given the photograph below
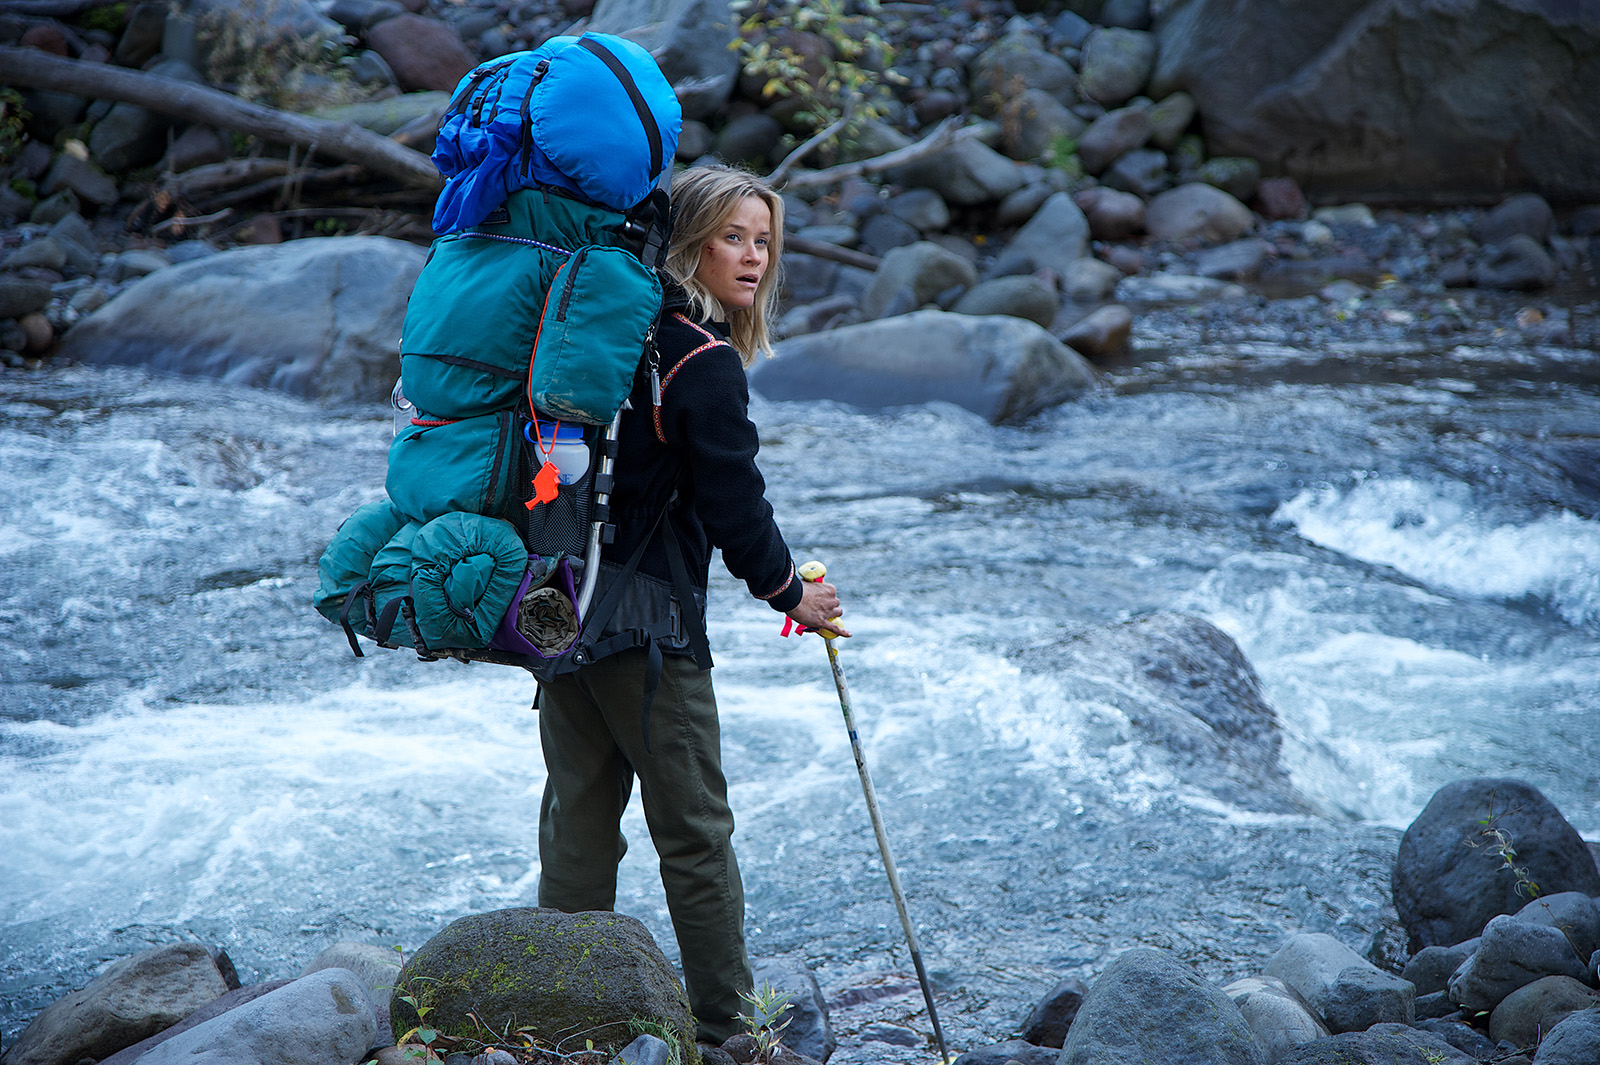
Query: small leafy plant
1500, 845
766, 1006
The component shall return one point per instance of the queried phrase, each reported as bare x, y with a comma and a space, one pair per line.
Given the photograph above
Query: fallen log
199, 103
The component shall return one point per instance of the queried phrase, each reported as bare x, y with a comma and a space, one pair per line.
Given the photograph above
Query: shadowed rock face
1363, 98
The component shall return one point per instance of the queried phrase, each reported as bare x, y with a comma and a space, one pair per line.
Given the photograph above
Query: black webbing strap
384, 624
362, 592
692, 621
648, 120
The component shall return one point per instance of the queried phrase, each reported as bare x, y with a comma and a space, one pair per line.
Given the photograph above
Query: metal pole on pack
815, 571
598, 510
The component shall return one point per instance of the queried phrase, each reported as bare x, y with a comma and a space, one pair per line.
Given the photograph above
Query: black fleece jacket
701, 439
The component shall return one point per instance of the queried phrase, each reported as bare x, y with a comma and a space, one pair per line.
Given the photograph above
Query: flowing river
1405, 545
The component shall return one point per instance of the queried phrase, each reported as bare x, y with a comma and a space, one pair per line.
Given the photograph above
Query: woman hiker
596, 732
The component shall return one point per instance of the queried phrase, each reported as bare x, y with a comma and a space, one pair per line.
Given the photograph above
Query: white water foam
1436, 534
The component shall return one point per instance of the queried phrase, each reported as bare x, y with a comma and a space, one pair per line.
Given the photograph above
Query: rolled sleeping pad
465, 571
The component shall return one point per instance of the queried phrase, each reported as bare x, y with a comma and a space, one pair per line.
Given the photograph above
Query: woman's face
734, 260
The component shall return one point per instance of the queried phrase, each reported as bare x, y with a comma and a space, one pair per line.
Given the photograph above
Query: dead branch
944, 135
823, 250
793, 158
213, 178
199, 103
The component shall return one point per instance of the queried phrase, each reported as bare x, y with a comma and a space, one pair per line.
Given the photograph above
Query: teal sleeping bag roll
390, 578
349, 556
440, 466
465, 571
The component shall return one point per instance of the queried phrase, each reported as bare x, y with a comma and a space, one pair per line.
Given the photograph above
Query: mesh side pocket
561, 526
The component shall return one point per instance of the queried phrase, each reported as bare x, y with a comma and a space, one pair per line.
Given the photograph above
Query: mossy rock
562, 978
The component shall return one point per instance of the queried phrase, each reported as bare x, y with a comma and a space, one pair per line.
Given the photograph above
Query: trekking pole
815, 571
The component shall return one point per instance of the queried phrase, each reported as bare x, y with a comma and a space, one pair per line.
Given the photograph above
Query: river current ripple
1406, 548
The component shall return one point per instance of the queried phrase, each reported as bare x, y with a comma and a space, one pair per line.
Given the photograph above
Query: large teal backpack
521, 342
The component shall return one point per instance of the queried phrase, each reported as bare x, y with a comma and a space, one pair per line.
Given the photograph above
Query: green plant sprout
1500, 845
766, 1006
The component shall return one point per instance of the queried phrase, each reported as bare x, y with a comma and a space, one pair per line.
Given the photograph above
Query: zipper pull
655, 387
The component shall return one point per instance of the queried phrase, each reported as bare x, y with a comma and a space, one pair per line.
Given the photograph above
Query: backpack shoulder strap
711, 341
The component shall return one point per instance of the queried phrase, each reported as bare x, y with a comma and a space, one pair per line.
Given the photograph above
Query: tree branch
789, 161
198, 103
943, 136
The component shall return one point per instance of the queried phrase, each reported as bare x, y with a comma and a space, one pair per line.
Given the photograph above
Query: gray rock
1448, 880
1036, 125
1493, 96
1021, 296
313, 317
1102, 333
322, 1018
645, 1050
1111, 135
1112, 214
1017, 208
1115, 65
131, 136
52, 209
923, 208
14, 206
78, 240
748, 139
1573, 912
1235, 175
842, 236
1176, 288
688, 38
196, 146
1349, 992
424, 53
1238, 260
1004, 369
132, 1000
1129, 14
1047, 1023
1462, 1036
215, 1008
1386, 1047
546, 973
1524, 1016
1197, 210
1072, 28
1147, 1006
188, 250
1280, 1018
884, 232
83, 178
1513, 954
1430, 968
809, 1032
138, 262
1090, 281
1518, 264
1527, 214
1142, 172
912, 276
966, 174
1014, 65
46, 252
377, 967
22, 295
1575, 1041
141, 37
1012, 1050
1170, 118
1053, 239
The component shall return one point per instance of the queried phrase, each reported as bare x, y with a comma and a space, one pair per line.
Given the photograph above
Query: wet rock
1169, 118
689, 38
1111, 135
1430, 968
1035, 124
1575, 1041
1013, 1050
1448, 880
1054, 238
1347, 991
1237, 260
319, 1018
1279, 1018
1280, 197
1197, 210
1115, 65
912, 276
1574, 913
1047, 1023
1021, 296
1090, 281
1147, 1006
1526, 1014
424, 53
1513, 954
1527, 214
314, 317
133, 999
81, 177
1112, 215
1004, 369
1519, 264
22, 295
809, 1031
1237, 176
1102, 333
590, 972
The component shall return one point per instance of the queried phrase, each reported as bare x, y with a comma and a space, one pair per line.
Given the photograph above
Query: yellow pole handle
814, 571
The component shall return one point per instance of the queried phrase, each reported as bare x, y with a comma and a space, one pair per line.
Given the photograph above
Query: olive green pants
589, 723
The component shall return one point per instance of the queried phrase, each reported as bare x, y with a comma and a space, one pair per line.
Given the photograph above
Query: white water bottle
564, 446
403, 410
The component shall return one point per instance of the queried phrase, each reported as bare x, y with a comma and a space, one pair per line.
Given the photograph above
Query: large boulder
1147, 1006
1005, 369
1116, 63
1528, 1012
132, 1000
1575, 1041
321, 1019
215, 1008
425, 54
1359, 99
1450, 875
1349, 992
313, 317
967, 173
562, 977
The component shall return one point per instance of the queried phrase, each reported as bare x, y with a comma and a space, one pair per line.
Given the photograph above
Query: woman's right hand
819, 607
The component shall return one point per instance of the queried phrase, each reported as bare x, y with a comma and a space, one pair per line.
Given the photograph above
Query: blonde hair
703, 199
